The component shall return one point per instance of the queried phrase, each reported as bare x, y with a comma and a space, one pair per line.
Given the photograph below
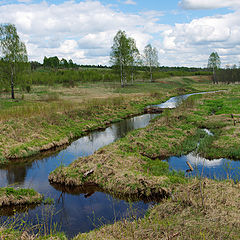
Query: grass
130, 165
62, 114
10, 196
183, 216
191, 208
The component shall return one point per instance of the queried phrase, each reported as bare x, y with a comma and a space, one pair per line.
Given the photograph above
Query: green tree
150, 58
70, 63
214, 63
13, 51
120, 55
64, 63
134, 56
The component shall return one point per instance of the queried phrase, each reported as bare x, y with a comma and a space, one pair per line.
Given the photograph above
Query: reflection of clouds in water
3, 175
208, 132
87, 145
174, 101
197, 160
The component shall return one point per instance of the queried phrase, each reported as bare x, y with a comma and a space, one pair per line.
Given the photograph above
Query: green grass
11, 196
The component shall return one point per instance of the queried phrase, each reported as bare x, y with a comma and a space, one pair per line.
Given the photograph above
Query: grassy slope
198, 210
10, 196
48, 118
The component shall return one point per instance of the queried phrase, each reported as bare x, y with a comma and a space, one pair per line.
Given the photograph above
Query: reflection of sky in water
175, 101
75, 212
217, 168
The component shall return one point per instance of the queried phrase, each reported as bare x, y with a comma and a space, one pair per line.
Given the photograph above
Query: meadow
192, 208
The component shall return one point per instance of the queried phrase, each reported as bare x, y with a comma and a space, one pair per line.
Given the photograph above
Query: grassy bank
132, 165
198, 210
62, 114
10, 196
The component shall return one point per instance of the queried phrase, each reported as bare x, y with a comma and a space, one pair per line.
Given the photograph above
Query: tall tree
120, 54
150, 57
214, 63
13, 51
134, 55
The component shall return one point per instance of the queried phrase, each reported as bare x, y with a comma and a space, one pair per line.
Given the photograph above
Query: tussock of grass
11, 234
21, 138
10, 196
191, 213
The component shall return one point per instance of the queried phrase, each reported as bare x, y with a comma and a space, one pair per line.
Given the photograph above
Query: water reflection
216, 169
80, 211
75, 210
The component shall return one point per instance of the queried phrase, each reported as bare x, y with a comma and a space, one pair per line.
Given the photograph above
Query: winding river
82, 210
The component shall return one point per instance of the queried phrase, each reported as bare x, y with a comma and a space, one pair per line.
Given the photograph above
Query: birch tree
13, 53
214, 63
134, 57
120, 54
150, 57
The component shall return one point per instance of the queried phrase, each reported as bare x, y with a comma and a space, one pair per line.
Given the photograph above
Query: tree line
227, 75
125, 56
127, 64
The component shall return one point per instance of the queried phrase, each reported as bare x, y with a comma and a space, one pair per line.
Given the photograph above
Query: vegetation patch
132, 166
200, 209
10, 196
74, 112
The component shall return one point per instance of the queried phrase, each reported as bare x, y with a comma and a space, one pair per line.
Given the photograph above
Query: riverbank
133, 165
12, 197
201, 209
63, 114
137, 156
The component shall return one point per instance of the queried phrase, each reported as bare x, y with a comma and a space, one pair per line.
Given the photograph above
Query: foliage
14, 54
214, 62
229, 75
150, 58
124, 54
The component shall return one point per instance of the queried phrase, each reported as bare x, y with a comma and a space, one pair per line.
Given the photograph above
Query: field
63, 113
192, 208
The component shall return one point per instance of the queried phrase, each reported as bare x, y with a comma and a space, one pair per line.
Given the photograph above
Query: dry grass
183, 216
10, 196
114, 172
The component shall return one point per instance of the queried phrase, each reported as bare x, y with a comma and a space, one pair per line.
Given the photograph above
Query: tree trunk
214, 76
132, 77
151, 73
121, 69
12, 82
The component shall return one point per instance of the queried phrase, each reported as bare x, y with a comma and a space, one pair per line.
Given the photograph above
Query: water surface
85, 209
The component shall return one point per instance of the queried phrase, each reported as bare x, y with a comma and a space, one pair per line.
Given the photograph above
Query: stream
85, 209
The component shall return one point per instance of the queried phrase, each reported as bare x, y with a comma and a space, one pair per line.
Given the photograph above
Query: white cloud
84, 32
209, 4
194, 41
70, 29
196, 160
130, 2
24, 1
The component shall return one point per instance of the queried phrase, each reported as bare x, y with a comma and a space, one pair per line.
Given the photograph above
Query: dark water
75, 212
216, 169
81, 210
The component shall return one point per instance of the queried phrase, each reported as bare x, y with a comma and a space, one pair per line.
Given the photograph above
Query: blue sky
185, 32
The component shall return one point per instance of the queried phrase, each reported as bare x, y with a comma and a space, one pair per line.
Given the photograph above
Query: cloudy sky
185, 32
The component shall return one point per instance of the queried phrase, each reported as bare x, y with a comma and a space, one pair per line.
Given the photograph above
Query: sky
185, 32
